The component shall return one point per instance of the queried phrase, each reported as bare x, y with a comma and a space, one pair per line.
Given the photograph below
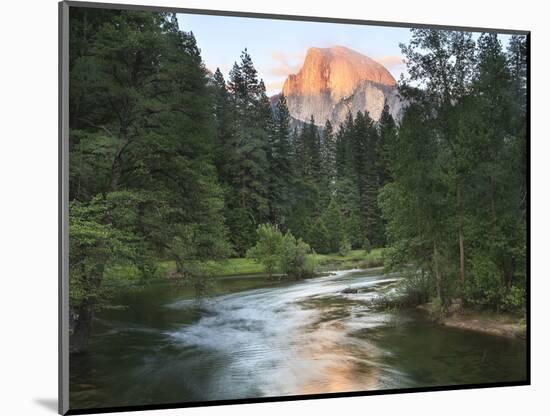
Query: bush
332, 220
352, 230
413, 290
344, 248
416, 289
274, 251
310, 265
514, 300
318, 237
267, 250
296, 259
484, 287
437, 311
367, 246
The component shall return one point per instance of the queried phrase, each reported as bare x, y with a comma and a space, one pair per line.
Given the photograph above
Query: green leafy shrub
318, 237
437, 311
367, 245
483, 288
296, 258
416, 288
285, 253
345, 247
267, 250
514, 300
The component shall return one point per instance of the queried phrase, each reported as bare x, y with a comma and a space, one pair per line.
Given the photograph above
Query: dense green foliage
283, 253
455, 204
267, 250
143, 185
170, 163
320, 185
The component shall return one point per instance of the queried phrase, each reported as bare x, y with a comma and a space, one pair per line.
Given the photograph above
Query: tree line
171, 162
456, 202
320, 185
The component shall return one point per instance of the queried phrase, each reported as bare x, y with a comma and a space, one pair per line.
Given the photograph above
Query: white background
28, 206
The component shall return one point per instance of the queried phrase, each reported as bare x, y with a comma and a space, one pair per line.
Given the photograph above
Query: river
259, 338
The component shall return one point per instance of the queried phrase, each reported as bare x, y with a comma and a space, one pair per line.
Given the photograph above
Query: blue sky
278, 47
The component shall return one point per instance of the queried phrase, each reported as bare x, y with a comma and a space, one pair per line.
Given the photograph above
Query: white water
286, 340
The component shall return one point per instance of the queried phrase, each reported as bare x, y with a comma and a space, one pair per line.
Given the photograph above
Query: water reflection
280, 339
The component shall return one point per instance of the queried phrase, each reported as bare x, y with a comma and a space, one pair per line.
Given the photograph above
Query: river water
259, 338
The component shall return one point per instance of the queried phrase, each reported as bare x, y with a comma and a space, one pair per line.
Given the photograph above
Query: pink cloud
285, 63
274, 87
391, 62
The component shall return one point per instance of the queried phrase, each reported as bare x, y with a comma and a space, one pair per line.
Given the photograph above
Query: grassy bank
228, 267
354, 259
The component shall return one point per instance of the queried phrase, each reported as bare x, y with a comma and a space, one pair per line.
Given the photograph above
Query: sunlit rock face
333, 81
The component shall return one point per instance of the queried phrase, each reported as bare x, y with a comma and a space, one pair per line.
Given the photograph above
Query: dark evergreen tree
310, 152
224, 123
517, 64
280, 165
247, 155
443, 63
387, 130
170, 163
318, 237
141, 146
328, 164
332, 220
454, 205
347, 194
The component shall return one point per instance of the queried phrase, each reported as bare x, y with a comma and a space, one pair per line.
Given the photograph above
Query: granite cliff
335, 80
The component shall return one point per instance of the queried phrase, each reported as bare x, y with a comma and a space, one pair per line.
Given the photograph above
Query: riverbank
354, 259
316, 330
503, 325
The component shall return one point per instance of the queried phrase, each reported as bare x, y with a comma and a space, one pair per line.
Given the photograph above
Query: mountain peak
337, 70
330, 78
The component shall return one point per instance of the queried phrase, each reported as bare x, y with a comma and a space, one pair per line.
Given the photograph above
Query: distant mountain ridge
335, 80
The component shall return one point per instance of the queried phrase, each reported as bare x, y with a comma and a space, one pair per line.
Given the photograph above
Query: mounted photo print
263, 207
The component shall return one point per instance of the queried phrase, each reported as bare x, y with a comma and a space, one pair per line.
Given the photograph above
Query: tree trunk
116, 166
116, 169
460, 238
437, 272
80, 326
81, 316
461, 247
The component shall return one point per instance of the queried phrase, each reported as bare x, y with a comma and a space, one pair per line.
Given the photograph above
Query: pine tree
444, 62
309, 152
318, 237
280, 165
517, 64
454, 205
224, 123
247, 154
328, 164
498, 163
347, 194
366, 171
141, 141
387, 130
332, 220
